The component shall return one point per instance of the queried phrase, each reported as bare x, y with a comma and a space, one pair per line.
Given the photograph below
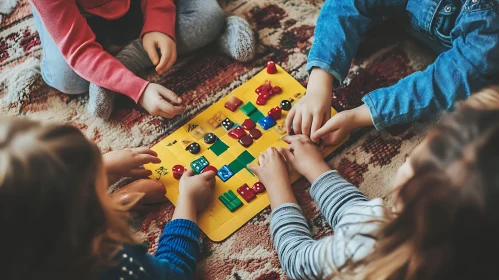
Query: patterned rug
285, 30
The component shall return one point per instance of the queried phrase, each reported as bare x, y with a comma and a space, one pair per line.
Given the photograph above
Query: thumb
328, 127
169, 95
208, 175
287, 154
150, 48
187, 173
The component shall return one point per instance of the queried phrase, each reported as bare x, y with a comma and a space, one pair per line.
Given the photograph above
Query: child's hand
130, 162
196, 188
304, 156
153, 41
158, 100
342, 124
273, 173
314, 109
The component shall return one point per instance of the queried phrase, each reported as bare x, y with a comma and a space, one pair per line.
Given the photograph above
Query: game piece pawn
210, 138
248, 124
209, 168
275, 113
255, 133
286, 105
194, 148
267, 122
177, 171
233, 103
258, 187
261, 100
227, 124
271, 68
246, 141
277, 89
237, 133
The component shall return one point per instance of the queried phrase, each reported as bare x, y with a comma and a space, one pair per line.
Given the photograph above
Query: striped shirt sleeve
345, 208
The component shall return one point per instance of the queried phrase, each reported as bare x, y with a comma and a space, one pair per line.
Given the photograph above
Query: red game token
258, 187
275, 113
237, 133
271, 68
246, 193
255, 133
177, 171
261, 101
233, 103
209, 168
246, 141
248, 124
277, 89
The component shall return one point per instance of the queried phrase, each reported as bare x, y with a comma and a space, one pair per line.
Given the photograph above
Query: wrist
359, 117
316, 171
320, 83
185, 209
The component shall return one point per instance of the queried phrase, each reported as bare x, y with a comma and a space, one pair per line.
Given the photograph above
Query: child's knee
63, 79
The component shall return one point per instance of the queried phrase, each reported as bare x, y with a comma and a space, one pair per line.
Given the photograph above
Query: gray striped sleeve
345, 207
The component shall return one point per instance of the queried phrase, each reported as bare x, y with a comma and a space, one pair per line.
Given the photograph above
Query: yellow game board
217, 222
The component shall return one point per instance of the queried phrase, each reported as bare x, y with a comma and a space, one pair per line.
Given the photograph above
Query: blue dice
266, 122
224, 173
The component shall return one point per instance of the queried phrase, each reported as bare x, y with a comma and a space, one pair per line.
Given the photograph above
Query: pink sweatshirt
75, 39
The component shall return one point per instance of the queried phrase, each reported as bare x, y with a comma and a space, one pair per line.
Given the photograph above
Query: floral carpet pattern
285, 30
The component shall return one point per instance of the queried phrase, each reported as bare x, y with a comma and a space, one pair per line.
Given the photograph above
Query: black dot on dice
286, 105
194, 148
210, 138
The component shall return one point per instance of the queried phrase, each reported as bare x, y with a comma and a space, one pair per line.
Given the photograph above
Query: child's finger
168, 109
171, 61
297, 124
143, 159
289, 119
253, 168
140, 173
170, 95
208, 175
188, 173
287, 154
146, 150
306, 124
327, 128
150, 48
165, 57
316, 125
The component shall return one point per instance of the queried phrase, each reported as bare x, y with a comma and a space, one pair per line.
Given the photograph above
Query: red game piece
209, 168
277, 89
271, 69
265, 95
255, 133
275, 113
258, 187
233, 103
261, 101
246, 193
246, 141
264, 88
177, 171
248, 124
237, 133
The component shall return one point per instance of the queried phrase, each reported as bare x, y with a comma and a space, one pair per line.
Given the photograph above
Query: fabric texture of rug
285, 32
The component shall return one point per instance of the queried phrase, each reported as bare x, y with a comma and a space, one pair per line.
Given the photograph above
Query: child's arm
301, 256
471, 63
178, 246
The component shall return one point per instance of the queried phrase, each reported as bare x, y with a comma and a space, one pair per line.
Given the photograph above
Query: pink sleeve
76, 41
159, 15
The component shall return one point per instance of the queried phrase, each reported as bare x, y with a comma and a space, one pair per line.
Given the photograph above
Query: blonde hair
58, 222
449, 224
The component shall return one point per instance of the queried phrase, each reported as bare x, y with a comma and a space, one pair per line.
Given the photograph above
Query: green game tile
225, 201
245, 158
230, 200
231, 195
248, 108
199, 164
256, 116
219, 147
236, 166
235, 204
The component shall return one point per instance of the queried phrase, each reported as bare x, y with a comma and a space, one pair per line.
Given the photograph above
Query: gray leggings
199, 22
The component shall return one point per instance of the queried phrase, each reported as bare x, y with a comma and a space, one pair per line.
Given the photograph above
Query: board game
225, 138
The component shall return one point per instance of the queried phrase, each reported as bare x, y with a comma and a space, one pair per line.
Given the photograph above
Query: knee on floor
67, 82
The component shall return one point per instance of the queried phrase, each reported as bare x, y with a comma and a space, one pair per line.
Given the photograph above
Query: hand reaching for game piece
196, 188
314, 109
273, 173
304, 156
154, 41
160, 101
130, 162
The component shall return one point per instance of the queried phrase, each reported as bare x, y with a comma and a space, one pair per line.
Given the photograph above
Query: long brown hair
56, 219
448, 227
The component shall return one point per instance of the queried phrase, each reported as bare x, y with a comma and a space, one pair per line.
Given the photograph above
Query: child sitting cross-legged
58, 222
445, 220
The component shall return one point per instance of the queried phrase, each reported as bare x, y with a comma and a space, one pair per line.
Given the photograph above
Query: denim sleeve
470, 64
339, 29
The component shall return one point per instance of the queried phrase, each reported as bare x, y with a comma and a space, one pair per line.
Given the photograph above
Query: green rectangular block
231, 195
248, 108
256, 116
235, 204
236, 166
224, 200
245, 158
219, 147
230, 200
199, 164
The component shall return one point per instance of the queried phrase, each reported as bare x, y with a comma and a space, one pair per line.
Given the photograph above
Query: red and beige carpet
285, 31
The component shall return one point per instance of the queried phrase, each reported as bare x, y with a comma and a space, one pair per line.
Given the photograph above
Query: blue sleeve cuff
182, 227
376, 119
338, 78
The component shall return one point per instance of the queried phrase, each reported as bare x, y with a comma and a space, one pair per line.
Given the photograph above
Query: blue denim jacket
465, 33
